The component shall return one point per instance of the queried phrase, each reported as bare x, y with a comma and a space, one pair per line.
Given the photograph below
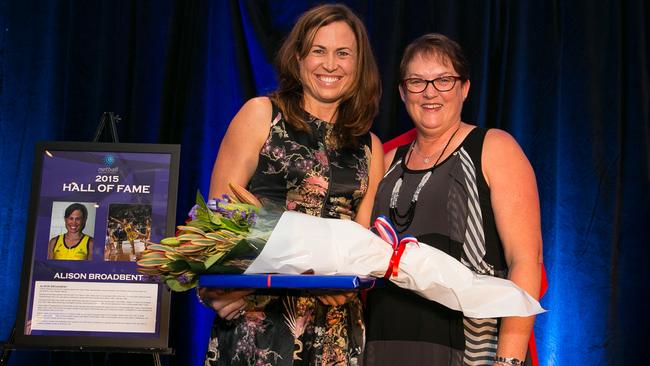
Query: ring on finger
239, 313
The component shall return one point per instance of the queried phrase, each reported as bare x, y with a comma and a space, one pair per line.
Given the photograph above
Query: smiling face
74, 223
328, 70
432, 110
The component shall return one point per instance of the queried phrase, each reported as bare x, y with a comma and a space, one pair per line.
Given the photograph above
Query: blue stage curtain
568, 79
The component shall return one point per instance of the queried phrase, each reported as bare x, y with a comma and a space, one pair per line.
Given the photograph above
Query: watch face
508, 361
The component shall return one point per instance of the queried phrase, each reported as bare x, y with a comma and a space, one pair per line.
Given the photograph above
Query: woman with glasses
468, 191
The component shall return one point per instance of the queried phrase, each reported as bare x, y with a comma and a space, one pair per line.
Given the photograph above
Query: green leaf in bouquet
213, 259
178, 265
216, 236
160, 248
152, 262
179, 273
173, 256
204, 242
180, 286
171, 241
196, 267
203, 225
245, 248
210, 251
193, 229
203, 213
148, 271
149, 254
233, 226
215, 219
239, 207
250, 207
189, 237
256, 244
230, 236
189, 248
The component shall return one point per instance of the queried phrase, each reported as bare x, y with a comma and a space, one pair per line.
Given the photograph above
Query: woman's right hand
229, 304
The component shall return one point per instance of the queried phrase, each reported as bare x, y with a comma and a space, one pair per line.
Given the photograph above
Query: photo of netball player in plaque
72, 229
127, 230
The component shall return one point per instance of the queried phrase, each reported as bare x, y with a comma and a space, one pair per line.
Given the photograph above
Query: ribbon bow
387, 232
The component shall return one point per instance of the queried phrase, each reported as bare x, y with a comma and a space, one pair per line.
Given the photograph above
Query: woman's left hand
336, 298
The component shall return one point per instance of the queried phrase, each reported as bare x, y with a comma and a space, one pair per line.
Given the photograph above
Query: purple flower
192, 213
183, 278
252, 218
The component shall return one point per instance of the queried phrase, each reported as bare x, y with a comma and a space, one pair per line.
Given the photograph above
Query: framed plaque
94, 208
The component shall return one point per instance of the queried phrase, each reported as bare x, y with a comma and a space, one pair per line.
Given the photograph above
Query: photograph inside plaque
127, 231
72, 229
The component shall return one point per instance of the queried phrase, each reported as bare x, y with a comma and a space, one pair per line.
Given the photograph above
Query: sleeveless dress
304, 172
454, 214
76, 252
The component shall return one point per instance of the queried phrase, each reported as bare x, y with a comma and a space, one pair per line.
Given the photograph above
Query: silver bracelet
200, 299
508, 361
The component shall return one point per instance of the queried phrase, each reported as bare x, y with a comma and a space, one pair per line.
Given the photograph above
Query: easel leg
4, 358
110, 120
156, 359
6, 352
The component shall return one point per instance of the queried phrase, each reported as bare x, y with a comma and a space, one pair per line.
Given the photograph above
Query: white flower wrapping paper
301, 243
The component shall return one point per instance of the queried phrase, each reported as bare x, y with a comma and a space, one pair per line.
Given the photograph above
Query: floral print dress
310, 173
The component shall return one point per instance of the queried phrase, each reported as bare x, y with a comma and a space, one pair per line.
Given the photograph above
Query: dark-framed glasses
441, 84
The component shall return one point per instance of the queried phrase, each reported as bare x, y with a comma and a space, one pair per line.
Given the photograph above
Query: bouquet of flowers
236, 235
223, 235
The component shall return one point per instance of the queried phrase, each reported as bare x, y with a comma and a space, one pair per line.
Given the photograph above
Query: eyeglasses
441, 84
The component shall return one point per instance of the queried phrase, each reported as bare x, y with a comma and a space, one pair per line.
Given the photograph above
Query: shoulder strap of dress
366, 140
400, 153
276, 114
473, 144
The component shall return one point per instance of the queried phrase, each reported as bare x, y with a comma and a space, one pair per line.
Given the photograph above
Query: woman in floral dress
307, 147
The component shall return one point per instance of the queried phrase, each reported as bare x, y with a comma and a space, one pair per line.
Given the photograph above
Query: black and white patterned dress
453, 214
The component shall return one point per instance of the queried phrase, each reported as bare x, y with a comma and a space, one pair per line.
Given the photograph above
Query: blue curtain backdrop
569, 79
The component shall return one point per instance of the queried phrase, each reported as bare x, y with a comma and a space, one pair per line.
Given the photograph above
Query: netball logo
109, 160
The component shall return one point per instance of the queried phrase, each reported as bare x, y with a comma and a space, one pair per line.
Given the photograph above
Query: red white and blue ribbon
388, 233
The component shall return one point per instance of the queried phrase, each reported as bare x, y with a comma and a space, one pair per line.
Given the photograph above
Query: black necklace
403, 221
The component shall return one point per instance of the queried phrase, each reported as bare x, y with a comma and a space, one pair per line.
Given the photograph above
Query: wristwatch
509, 361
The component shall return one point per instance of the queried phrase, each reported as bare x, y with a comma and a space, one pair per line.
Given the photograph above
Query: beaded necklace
403, 221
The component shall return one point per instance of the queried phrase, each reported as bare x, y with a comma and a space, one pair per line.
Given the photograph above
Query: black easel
6, 351
108, 120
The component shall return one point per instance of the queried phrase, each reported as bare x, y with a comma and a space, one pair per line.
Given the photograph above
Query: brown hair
77, 207
436, 45
359, 104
